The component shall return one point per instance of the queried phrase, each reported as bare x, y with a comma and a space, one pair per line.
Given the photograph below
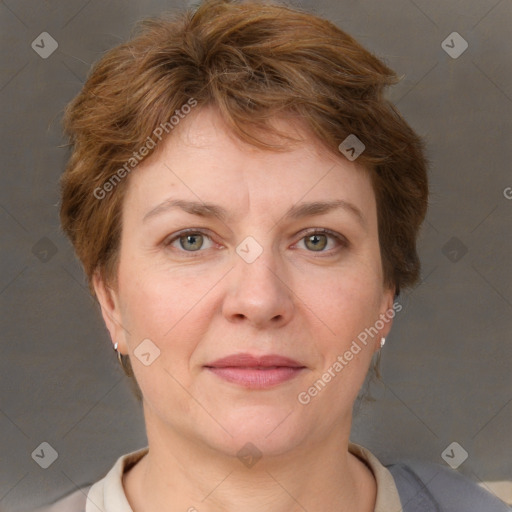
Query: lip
250, 361
256, 372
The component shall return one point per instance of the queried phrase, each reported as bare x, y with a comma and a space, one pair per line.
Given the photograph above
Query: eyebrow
298, 211
193, 207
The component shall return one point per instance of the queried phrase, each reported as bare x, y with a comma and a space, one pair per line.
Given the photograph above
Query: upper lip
250, 361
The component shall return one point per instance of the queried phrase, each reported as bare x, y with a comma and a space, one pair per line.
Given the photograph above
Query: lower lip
254, 378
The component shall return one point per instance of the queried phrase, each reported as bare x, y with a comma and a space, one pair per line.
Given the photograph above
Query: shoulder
109, 487
429, 487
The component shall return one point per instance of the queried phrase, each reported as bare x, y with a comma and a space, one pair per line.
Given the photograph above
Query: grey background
447, 364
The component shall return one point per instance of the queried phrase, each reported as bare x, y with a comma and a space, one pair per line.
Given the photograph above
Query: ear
387, 313
110, 311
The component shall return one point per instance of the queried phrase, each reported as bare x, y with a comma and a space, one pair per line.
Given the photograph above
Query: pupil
317, 241
194, 241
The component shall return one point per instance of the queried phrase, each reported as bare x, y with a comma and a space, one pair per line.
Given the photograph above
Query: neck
179, 474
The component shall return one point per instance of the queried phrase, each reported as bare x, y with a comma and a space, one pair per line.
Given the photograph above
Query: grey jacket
432, 487
422, 487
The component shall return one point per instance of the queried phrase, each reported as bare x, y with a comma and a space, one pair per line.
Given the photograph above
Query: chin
270, 431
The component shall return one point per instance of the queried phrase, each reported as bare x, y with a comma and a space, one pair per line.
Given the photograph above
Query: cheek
351, 297
153, 302
349, 310
172, 311
147, 307
347, 304
156, 309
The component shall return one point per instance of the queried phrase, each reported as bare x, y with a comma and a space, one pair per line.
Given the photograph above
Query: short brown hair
253, 61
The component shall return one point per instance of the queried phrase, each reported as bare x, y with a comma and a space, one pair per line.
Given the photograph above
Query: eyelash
340, 239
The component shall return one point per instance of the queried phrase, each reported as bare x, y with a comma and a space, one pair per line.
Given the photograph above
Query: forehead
203, 160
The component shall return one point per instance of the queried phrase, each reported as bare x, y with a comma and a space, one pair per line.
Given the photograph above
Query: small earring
382, 342
118, 353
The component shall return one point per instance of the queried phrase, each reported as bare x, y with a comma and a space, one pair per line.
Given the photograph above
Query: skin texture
198, 306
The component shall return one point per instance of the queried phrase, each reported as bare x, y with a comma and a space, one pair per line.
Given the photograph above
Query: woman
246, 205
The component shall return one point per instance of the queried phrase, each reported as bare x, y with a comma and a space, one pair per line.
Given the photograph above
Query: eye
189, 241
320, 239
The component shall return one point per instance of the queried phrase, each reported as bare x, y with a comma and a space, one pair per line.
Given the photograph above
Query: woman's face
281, 259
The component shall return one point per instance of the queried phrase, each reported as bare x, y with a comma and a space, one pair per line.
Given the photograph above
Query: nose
258, 293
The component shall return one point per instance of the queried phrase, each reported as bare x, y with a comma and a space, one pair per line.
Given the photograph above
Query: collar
108, 494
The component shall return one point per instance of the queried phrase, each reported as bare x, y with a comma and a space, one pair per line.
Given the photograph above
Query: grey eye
316, 242
192, 242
